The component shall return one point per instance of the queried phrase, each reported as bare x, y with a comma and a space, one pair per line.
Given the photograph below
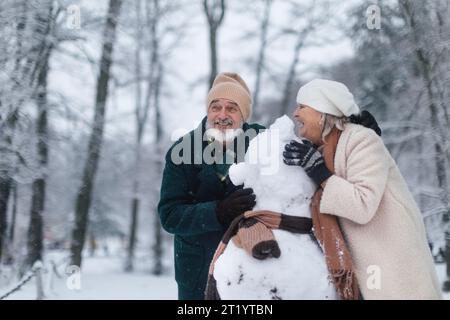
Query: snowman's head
277, 187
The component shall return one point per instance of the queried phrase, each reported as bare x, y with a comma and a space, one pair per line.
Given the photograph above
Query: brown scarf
328, 232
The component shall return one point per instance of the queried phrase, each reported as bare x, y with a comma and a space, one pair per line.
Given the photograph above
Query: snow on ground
103, 278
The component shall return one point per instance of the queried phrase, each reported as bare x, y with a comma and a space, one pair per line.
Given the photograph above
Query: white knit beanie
328, 97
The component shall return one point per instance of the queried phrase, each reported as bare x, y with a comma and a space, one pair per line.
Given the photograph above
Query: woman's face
310, 125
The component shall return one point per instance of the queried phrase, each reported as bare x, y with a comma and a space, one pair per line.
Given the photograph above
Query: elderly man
198, 202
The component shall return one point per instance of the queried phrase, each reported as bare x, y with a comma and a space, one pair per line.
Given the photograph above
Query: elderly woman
363, 187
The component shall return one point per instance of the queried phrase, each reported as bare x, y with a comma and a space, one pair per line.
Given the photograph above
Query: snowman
300, 272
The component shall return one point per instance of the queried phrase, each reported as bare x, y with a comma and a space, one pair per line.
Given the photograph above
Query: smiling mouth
222, 127
223, 124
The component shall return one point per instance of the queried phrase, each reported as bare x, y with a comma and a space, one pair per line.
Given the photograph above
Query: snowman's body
300, 272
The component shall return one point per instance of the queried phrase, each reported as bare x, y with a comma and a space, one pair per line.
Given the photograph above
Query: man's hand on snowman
234, 205
230, 187
309, 158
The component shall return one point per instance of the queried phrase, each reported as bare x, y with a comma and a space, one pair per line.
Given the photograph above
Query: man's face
224, 114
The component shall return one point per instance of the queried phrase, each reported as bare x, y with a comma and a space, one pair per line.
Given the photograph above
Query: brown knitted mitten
256, 239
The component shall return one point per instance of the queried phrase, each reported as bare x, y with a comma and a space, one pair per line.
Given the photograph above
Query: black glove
230, 187
307, 156
234, 205
366, 119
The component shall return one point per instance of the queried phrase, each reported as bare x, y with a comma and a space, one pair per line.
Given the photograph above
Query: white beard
225, 137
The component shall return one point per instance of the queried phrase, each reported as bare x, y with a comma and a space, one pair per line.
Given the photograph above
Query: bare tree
35, 230
152, 15
411, 100
215, 13
12, 225
149, 72
158, 167
262, 51
11, 45
84, 194
429, 59
141, 115
24, 48
314, 15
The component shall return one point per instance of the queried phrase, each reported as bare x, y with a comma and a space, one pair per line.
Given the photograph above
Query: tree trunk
5, 188
213, 55
157, 245
129, 265
84, 194
35, 228
215, 12
6, 180
22, 85
12, 225
36, 225
92, 244
291, 76
261, 54
158, 267
6, 131
152, 13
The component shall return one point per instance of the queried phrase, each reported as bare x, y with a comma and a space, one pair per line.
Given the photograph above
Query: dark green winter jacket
189, 193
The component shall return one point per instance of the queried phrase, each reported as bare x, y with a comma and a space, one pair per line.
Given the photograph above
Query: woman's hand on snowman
309, 158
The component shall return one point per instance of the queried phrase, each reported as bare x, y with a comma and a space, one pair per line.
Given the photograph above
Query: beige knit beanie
231, 86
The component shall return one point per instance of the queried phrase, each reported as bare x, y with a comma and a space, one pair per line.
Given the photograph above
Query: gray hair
329, 122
